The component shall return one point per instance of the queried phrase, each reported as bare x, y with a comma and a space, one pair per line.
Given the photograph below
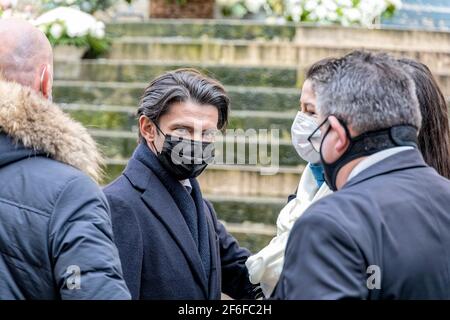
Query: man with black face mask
384, 233
170, 242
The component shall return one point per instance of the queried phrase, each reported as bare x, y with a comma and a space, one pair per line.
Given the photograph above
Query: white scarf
265, 266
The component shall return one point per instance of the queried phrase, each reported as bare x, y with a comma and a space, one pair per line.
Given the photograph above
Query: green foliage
89, 6
95, 46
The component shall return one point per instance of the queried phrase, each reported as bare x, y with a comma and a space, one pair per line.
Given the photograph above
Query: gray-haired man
384, 233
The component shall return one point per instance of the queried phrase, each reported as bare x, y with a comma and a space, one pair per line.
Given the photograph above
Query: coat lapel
162, 205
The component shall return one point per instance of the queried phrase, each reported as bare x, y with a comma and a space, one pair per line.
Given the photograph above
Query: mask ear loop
321, 144
158, 129
351, 141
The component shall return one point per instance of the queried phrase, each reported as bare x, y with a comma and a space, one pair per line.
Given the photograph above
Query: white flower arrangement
343, 12
69, 26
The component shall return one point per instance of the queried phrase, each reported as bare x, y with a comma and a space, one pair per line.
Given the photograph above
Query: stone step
132, 71
385, 38
239, 150
279, 100
129, 94
262, 53
227, 29
143, 71
124, 118
248, 209
234, 180
224, 29
253, 236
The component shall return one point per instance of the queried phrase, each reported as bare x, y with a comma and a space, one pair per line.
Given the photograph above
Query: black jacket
159, 258
384, 235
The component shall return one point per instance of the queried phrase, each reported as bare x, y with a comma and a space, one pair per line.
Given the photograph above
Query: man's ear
342, 141
147, 129
46, 81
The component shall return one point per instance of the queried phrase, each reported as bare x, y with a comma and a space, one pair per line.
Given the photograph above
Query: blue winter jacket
56, 237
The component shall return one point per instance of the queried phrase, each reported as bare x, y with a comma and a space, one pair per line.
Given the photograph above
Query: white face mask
301, 129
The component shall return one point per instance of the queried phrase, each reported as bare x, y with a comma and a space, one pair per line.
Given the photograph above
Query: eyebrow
308, 103
184, 125
181, 124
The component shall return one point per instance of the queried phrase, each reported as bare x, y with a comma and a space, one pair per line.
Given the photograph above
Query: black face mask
367, 144
185, 158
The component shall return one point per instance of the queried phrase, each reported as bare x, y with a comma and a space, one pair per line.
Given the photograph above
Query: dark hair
434, 137
179, 86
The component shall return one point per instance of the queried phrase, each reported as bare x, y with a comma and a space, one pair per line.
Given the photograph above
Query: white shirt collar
375, 158
187, 184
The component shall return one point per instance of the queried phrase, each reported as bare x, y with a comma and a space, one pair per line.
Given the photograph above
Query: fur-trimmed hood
38, 124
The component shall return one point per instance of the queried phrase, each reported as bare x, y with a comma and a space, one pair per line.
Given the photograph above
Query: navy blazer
384, 235
159, 257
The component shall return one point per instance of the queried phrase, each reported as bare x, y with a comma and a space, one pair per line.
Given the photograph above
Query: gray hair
368, 92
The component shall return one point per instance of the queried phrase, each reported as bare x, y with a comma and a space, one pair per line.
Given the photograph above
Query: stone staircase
262, 67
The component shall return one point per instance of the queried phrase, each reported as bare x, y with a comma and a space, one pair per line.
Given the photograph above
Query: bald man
56, 238
26, 56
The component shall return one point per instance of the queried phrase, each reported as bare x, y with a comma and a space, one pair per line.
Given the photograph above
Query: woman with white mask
265, 266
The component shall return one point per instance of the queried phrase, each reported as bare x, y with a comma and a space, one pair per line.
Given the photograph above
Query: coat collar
11, 152
156, 196
35, 123
401, 161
